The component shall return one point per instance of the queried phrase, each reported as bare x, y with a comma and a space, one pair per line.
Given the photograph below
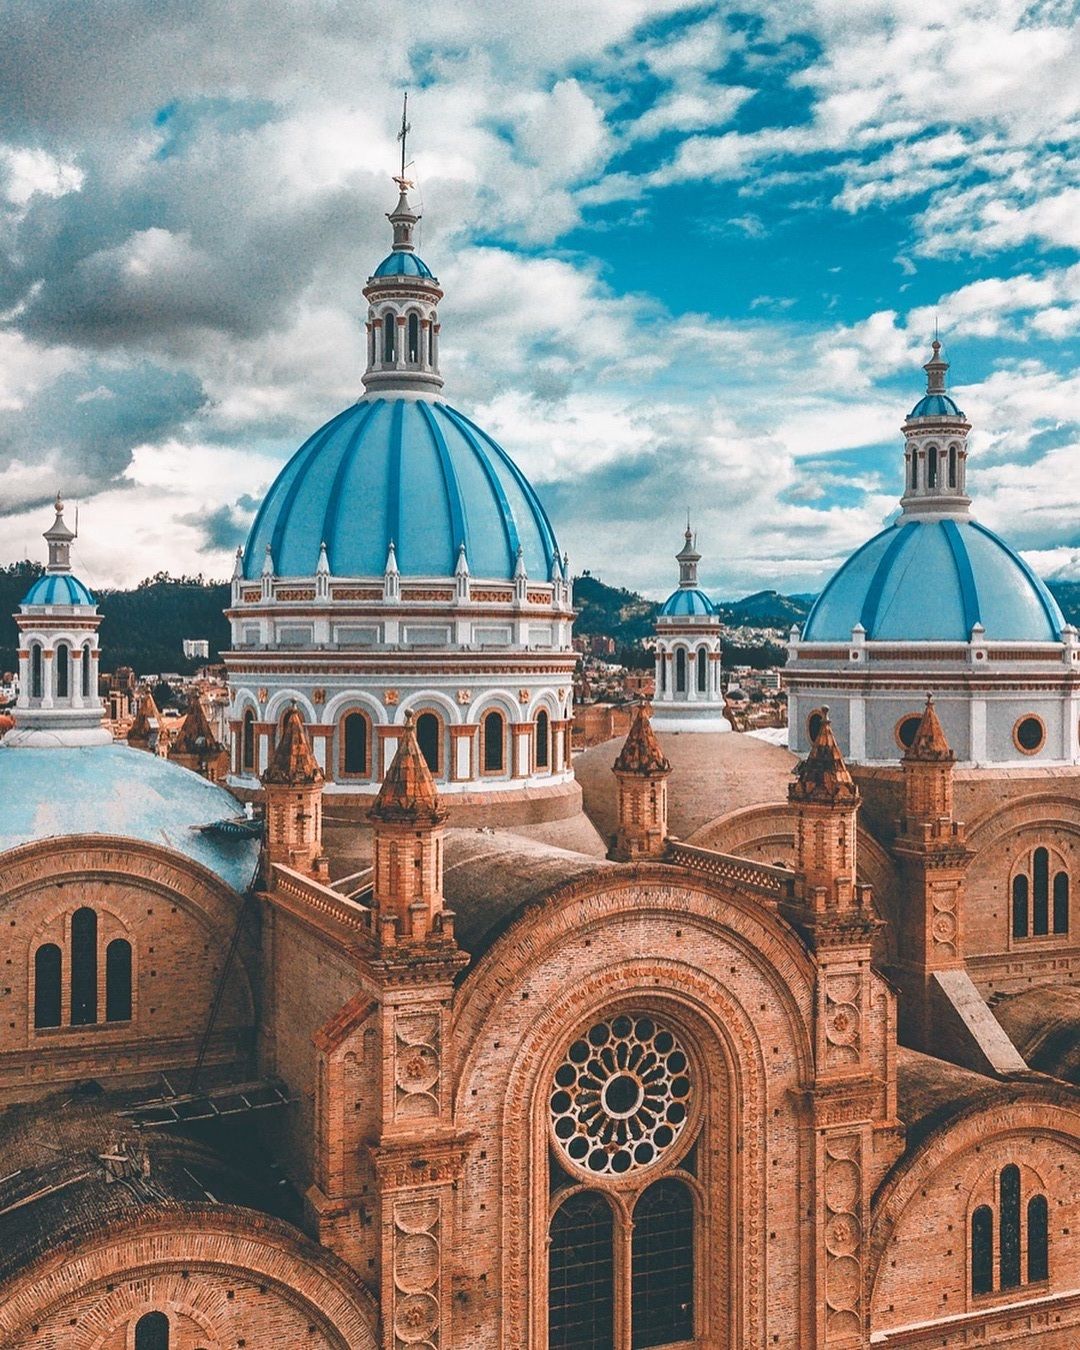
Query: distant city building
197, 649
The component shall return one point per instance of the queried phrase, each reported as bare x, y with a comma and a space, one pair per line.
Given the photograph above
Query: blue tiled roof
414, 472
932, 580
687, 601
58, 588
115, 790
403, 264
935, 405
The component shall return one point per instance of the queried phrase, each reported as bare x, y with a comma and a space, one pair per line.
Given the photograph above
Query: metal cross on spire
403, 133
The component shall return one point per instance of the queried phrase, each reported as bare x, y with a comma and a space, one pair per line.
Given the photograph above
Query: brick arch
210, 1243
1048, 810
997, 1116
738, 976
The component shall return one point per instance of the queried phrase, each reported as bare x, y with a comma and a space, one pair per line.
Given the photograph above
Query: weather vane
402, 181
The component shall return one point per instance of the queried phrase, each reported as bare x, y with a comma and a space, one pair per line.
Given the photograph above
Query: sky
693, 257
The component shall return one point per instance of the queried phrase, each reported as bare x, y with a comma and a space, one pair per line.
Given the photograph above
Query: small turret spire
59, 539
688, 558
935, 368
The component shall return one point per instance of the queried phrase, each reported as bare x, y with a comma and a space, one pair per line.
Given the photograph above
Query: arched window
1061, 902
83, 968
1038, 1239
702, 670
680, 671
389, 323
86, 671
1009, 1226
63, 671
152, 1332
118, 981
543, 740
36, 684
429, 739
247, 742
494, 736
952, 466
354, 758
982, 1250
662, 1266
47, 986
913, 468
931, 467
581, 1302
1040, 892
663, 672
1020, 906
431, 343
414, 338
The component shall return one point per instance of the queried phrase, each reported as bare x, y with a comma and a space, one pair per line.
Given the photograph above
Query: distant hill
623, 615
765, 609
1067, 594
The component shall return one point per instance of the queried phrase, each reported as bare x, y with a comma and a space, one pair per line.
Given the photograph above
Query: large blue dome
932, 580
58, 588
409, 471
687, 601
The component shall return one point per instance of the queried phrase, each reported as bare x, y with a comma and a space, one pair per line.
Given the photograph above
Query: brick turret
409, 824
196, 747
292, 785
148, 732
641, 771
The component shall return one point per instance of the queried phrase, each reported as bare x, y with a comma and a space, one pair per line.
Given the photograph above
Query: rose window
619, 1098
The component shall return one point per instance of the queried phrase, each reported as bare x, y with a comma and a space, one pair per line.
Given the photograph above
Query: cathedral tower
688, 692
641, 771
293, 787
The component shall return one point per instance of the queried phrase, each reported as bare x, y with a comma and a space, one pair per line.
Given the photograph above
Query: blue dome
931, 581
115, 790
414, 472
403, 264
58, 588
935, 405
687, 601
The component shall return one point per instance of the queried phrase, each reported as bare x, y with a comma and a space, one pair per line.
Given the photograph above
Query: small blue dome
935, 405
687, 601
932, 580
58, 588
407, 470
403, 264
115, 790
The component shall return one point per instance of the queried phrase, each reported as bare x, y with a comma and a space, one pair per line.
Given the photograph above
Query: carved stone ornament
318, 697
464, 696
390, 697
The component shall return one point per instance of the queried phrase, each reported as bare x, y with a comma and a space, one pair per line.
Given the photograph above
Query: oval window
813, 724
906, 729
1029, 734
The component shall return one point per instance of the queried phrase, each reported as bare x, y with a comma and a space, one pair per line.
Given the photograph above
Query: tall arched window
84, 967
152, 1332
982, 1250
63, 671
494, 737
247, 742
581, 1302
36, 683
429, 739
1038, 1239
431, 343
1009, 1226
354, 759
663, 672
1020, 906
1061, 902
118, 981
86, 658
680, 671
702, 670
1040, 892
931, 466
952, 466
414, 338
389, 324
47, 985
662, 1276
543, 740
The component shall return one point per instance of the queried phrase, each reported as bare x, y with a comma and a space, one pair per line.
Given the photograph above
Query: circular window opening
621, 1096
814, 723
1029, 734
906, 729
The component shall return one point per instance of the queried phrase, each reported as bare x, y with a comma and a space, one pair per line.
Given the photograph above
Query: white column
857, 728
24, 678
977, 734
48, 663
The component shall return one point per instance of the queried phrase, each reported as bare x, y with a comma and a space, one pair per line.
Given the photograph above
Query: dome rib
44, 591
332, 516
969, 591
510, 529
393, 482
819, 603
872, 603
1050, 606
459, 527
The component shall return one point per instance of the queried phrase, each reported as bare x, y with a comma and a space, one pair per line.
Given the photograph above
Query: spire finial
402, 136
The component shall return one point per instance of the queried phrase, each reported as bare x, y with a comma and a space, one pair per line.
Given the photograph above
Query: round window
619, 1100
813, 724
1029, 734
906, 729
